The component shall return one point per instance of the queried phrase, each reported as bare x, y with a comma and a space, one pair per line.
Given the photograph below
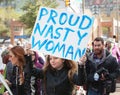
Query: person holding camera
102, 69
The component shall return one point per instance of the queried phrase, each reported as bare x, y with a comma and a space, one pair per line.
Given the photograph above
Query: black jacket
14, 79
57, 82
108, 62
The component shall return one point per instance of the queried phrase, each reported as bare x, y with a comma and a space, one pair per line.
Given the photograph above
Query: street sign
21, 36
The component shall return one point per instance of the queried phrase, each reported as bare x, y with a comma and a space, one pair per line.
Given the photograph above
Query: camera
108, 84
104, 72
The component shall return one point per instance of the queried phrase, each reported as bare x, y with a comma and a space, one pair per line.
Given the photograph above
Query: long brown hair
19, 52
68, 64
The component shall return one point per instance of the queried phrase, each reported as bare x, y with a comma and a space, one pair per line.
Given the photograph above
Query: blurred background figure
18, 43
88, 50
2, 66
7, 65
36, 83
108, 46
116, 52
9, 46
4, 60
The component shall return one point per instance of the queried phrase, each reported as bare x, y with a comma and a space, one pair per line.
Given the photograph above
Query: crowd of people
27, 73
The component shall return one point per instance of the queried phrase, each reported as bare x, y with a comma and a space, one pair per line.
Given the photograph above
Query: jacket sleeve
38, 73
114, 71
27, 74
80, 77
89, 73
9, 69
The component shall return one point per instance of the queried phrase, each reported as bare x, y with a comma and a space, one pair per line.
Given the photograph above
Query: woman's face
56, 63
13, 58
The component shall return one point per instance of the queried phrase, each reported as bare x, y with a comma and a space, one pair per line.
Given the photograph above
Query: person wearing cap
108, 46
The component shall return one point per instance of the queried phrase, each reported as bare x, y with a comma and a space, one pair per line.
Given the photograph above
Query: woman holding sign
60, 75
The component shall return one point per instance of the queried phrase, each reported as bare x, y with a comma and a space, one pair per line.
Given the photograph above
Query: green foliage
3, 28
31, 10
6, 14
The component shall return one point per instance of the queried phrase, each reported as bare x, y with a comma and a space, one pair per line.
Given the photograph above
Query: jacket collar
106, 55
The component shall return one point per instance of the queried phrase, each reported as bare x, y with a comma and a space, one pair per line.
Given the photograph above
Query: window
17, 29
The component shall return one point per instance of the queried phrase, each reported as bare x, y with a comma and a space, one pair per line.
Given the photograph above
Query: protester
116, 52
21, 71
6, 71
3, 54
108, 45
36, 83
114, 49
59, 75
102, 69
9, 66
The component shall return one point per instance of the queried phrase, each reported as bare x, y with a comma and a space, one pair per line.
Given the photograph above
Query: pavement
117, 92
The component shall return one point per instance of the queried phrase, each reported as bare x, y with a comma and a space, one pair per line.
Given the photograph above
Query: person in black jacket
59, 75
21, 73
102, 69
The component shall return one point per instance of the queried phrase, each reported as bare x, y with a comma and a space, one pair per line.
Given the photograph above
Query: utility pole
83, 6
117, 16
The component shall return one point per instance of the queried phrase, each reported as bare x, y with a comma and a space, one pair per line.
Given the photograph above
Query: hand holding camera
101, 74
